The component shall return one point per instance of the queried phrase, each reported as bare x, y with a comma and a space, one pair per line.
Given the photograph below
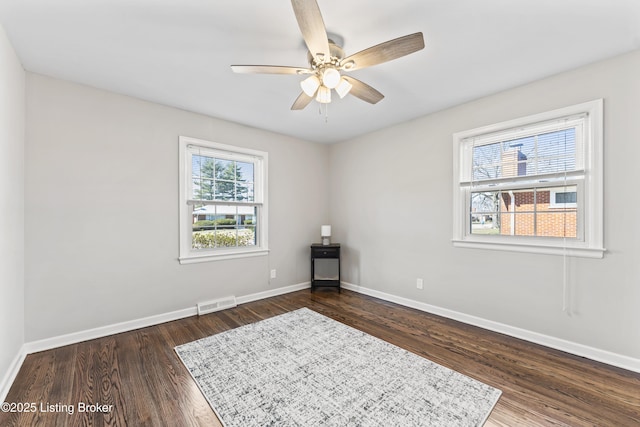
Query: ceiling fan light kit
324, 95
331, 78
327, 60
343, 88
310, 85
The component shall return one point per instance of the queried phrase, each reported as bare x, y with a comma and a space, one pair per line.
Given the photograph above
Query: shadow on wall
351, 259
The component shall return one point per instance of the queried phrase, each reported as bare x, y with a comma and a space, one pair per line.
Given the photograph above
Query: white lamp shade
343, 87
324, 95
310, 85
325, 231
331, 78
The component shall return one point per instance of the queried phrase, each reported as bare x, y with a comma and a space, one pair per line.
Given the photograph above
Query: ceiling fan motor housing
318, 61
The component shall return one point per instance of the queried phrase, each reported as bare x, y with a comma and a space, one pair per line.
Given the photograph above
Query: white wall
391, 201
102, 209
12, 122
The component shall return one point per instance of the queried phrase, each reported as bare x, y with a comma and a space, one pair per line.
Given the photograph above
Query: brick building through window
532, 213
542, 212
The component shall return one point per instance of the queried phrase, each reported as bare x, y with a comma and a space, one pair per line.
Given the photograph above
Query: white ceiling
178, 52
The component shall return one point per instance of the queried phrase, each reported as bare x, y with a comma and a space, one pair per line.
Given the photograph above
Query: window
532, 184
563, 197
223, 209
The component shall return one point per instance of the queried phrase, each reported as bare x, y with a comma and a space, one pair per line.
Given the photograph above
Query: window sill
581, 252
193, 259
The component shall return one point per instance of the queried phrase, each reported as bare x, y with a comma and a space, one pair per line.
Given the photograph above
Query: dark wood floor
139, 374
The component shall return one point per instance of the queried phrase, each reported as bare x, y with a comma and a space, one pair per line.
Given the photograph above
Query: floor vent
216, 305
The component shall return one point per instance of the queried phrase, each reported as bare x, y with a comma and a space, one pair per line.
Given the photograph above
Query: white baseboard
130, 325
604, 356
11, 374
103, 331
273, 293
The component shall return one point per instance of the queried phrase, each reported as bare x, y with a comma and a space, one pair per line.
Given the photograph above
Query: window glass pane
247, 225
514, 159
525, 212
244, 192
225, 169
244, 172
225, 190
223, 226
203, 227
202, 166
202, 177
204, 218
485, 201
557, 212
556, 151
248, 219
517, 224
218, 179
244, 182
486, 162
523, 224
484, 212
203, 189
557, 223
546, 153
247, 236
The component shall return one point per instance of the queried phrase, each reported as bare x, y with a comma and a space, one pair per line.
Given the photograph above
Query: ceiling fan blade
269, 69
312, 27
384, 52
302, 101
364, 91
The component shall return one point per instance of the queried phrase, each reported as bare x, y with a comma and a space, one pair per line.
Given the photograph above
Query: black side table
325, 265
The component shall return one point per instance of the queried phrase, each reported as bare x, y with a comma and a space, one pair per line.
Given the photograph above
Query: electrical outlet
419, 283
273, 273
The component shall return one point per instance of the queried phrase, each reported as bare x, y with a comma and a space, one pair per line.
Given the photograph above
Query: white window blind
542, 152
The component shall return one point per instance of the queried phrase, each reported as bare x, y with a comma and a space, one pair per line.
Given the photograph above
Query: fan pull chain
326, 111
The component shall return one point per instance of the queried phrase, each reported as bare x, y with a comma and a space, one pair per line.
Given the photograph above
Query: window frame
259, 159
590, 187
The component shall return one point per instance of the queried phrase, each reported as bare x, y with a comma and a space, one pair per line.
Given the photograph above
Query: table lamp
325, 233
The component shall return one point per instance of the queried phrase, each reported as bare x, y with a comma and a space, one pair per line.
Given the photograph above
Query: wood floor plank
141, 377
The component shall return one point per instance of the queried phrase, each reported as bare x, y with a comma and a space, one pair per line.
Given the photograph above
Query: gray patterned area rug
304, 369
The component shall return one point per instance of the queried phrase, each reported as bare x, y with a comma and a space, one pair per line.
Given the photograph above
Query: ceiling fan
327, 61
